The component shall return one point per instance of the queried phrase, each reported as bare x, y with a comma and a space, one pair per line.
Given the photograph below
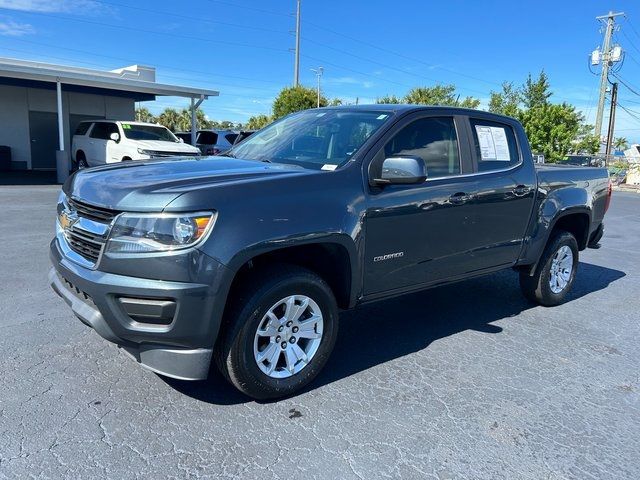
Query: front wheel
279, 333
555, 273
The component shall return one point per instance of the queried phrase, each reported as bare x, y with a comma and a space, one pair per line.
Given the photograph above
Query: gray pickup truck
245, 259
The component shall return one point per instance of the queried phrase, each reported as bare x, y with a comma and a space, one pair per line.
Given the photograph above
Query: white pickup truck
108, 141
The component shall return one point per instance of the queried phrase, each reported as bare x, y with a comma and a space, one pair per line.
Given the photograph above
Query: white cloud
70, 6
9, 28
349, 81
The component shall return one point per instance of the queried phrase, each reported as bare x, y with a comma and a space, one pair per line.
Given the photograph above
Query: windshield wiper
227, 154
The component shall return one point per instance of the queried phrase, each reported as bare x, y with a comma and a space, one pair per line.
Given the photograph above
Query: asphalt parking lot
464, 381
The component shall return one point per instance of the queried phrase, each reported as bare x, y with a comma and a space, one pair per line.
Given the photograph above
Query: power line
165, 75
153, 32
632, 89
632, 27
128, 60
187, 17
246, 7
401, 55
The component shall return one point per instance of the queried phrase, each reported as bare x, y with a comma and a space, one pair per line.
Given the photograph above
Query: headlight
142, 151
140, 233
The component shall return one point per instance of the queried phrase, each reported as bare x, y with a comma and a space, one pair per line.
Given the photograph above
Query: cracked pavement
463, 381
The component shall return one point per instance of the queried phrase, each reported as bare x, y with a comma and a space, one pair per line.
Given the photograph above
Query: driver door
421, 233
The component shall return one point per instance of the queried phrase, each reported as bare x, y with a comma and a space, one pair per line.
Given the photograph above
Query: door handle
521, 190
459, 198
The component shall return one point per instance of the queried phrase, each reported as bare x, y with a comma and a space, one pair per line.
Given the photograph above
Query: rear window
186, 137
82, 128
207, 138
495, 144
231, 137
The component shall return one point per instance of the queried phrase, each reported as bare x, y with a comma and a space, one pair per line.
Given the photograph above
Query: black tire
126, 159
536, 287
81, 161
235, 347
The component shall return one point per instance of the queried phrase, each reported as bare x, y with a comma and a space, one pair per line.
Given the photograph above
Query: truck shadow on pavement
380, 332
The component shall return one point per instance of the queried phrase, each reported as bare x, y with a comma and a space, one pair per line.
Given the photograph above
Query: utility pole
607, 61
612, 121
318, 73
296, 68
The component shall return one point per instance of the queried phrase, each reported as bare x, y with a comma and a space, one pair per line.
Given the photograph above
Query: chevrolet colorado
246, 258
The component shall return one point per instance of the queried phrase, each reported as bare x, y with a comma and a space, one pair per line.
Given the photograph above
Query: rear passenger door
503, 187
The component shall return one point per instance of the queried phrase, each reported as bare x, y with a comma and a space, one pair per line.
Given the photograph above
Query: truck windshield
148, 132
316, 139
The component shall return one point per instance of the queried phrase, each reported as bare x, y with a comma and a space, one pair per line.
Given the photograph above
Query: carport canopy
135, 79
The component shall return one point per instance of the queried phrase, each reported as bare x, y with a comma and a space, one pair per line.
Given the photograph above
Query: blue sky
368, 48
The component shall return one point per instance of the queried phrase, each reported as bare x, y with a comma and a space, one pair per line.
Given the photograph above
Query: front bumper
180, 349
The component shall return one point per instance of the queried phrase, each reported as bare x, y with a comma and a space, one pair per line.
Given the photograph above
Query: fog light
143, 310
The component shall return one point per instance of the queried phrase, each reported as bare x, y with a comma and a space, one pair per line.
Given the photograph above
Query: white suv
109, 141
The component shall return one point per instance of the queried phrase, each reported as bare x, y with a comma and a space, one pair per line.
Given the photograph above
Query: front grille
85, 243
99, 214
158, 153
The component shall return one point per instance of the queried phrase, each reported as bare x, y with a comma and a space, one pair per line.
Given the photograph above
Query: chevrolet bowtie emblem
67, 219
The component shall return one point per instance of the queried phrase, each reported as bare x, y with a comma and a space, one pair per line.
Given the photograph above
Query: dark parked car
185, 136
243, 135
247, 258
214, 142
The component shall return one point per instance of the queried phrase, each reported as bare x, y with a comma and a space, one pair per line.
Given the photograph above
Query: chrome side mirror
402, 169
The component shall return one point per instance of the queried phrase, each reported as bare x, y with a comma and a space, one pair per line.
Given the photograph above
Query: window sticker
126, 126
382, 117
329, 166
493, 143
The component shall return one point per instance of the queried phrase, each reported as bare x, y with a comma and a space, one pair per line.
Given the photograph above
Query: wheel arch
333, 259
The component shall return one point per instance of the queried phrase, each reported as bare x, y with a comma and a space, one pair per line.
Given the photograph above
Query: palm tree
144, 115
620, 143
170, 118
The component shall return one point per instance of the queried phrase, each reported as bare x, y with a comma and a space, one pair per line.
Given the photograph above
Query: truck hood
149, 186
162, 146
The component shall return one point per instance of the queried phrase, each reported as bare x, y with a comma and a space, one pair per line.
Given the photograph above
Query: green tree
257, 122
589, 144
336, 102
294, 99
144, 115
507, 101
536, 92
170, 118
439, 95
552, 129
620, 143
185, 120
388, 99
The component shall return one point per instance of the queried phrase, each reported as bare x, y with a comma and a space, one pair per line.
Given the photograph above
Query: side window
111, 128
495, 144
103, 130
99, 131
207, 138
434, 140
82, 128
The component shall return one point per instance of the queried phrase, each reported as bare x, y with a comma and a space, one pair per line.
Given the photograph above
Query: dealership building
41, 104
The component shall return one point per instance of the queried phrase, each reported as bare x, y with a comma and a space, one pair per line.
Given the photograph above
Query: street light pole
318, 73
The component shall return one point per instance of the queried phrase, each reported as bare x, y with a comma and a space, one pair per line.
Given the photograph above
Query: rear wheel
555, 273
279, 333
